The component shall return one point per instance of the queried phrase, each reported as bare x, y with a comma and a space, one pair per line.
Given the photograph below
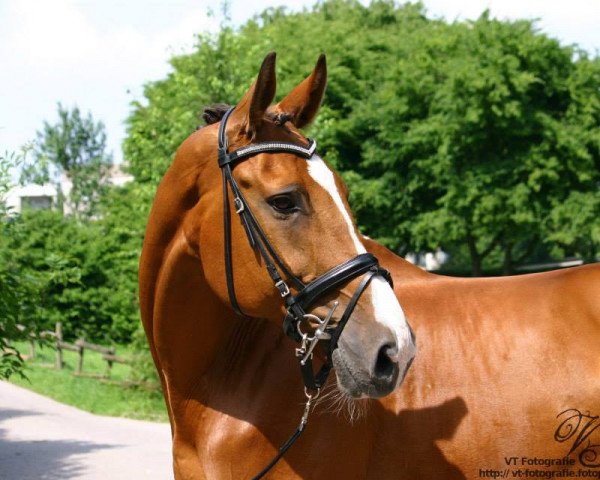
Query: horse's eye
283, 204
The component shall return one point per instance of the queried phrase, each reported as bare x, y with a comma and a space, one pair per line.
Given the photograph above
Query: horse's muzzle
372, 368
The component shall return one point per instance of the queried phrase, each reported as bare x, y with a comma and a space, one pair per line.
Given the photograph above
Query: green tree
121, 224
76, 147
487, 137
223, 65
16, 288
469, 135
573, 225
84, 271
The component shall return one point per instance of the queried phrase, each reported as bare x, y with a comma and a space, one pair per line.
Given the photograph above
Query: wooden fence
80, 346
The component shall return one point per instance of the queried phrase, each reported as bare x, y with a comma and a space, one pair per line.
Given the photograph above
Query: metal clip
307, 405
239, 205
302, 349
320, 333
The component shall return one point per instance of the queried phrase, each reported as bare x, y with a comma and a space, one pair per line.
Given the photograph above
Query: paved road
44, 439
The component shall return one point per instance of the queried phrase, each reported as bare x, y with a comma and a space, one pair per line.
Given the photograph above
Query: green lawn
95, 395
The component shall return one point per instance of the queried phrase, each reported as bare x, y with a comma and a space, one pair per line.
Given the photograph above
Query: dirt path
44, 439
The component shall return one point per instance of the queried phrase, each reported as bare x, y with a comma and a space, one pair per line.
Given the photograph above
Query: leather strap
317, 381
227, 239
282, 451
271, 147
335, 278
335, 336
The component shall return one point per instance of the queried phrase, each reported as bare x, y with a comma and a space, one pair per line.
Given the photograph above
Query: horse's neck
210, 358
402, 271
256, 361
186, 324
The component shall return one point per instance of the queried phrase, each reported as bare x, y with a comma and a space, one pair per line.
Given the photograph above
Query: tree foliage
497, 143
482, 135
77, 269
17, 290
85, 271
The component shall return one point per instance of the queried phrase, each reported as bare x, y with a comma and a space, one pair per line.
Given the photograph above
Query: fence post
59, 355
31, 349
79, 344
109, 363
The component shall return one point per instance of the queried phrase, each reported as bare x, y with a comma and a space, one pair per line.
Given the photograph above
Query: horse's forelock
214, 113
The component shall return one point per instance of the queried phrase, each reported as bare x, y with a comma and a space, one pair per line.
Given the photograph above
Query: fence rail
80, 346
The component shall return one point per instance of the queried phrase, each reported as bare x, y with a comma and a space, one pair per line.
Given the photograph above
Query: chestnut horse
506, 380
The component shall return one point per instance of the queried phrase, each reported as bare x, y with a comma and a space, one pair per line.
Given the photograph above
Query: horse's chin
337, 399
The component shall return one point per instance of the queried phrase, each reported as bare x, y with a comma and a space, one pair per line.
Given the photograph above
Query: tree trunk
476, 267
507, 264
476, 258
589, 254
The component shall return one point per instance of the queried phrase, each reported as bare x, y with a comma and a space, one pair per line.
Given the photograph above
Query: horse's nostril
387, 361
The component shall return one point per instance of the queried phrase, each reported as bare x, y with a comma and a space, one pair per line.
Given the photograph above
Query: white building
429, 261
117, 177
31, 196
46, 196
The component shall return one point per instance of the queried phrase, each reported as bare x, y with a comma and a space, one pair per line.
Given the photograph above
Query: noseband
365, 265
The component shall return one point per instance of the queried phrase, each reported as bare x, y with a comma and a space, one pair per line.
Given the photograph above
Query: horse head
294, 219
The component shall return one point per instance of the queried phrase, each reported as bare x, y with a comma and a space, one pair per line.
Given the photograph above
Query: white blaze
389, 312
386, 308
324, 177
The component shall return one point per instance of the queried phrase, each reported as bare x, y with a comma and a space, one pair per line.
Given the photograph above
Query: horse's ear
259, 96
303, 102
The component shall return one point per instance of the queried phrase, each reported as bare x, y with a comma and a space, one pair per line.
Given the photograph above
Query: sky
97, 54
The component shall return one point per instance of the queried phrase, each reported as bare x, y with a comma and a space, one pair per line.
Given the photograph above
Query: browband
271, 147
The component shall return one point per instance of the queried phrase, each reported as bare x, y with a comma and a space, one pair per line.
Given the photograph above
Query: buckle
284, 290
239, 205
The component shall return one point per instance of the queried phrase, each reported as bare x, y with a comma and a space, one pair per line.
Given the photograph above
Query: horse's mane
214, 113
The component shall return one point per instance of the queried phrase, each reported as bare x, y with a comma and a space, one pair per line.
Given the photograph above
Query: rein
365, 265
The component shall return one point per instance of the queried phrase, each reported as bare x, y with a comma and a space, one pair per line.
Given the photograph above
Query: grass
115, 397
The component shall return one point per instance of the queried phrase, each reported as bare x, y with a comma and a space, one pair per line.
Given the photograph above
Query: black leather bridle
297, 305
